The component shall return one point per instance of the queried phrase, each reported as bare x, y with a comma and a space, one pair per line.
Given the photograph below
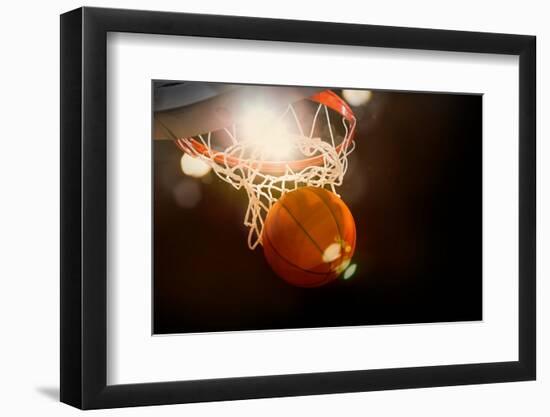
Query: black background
414, 186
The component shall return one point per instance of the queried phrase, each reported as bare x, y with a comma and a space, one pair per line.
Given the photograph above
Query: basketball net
247, 162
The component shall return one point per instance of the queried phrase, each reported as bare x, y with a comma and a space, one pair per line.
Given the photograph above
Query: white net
252, 159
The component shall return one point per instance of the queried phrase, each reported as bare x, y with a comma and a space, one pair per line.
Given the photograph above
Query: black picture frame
84, 197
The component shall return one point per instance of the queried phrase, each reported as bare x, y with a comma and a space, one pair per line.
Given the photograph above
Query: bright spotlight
194, 167
268, 134
357, 97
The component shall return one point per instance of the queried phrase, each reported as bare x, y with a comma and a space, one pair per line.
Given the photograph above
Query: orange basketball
309, 237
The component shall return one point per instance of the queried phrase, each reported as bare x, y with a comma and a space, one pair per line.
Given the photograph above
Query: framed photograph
258, 208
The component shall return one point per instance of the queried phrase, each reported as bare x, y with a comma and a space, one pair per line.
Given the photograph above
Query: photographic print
290, 207
355, 210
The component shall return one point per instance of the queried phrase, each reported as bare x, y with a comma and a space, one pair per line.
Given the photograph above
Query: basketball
309, 237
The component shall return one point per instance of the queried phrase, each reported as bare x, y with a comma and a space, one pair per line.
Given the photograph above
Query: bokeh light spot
194, 167
348, 273
187, 193
357, 97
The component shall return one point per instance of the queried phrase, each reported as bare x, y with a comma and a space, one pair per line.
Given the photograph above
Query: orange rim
327, 97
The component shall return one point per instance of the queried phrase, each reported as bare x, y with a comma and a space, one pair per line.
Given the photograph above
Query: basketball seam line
302, 227
330, 211
291, 263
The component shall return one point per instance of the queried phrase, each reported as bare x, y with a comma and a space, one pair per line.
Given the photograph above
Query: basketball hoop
273, 156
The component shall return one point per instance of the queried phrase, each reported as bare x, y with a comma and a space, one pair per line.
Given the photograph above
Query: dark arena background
414, 187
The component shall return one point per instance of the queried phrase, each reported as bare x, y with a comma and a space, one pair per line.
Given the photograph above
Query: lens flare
268, 133
332, 252
348, 273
